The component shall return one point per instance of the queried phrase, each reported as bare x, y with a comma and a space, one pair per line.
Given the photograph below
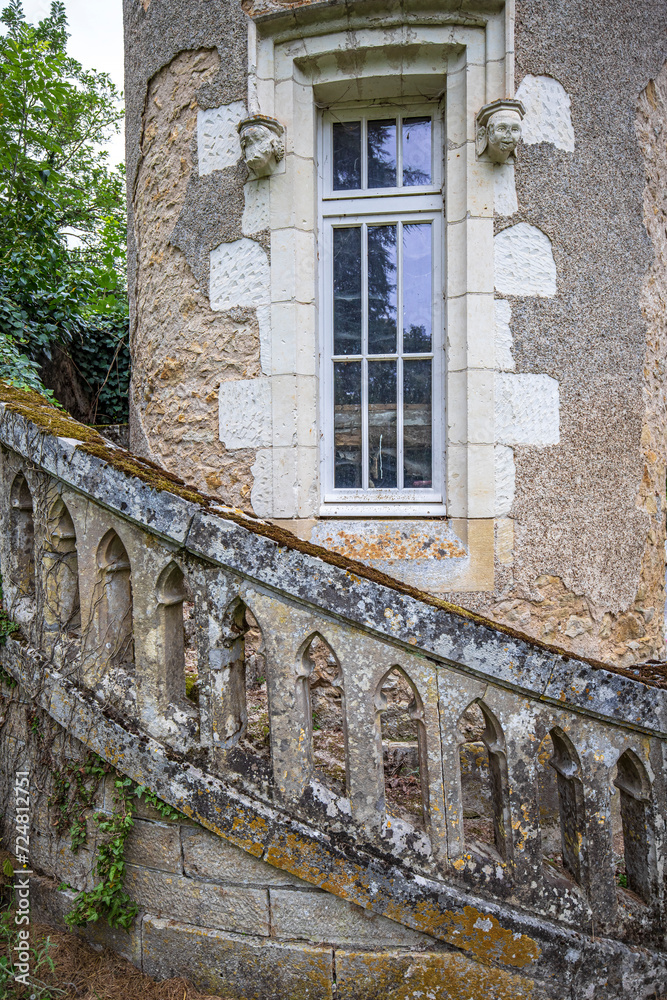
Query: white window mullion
364, 351
364, 154
399, 351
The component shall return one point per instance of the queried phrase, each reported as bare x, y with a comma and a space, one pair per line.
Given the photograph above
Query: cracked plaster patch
548, 117
524, 262
218, 143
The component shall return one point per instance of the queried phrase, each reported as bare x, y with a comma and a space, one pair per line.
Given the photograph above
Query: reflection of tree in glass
346, 156
381, 154
381, 289
347, 290
416, 340
416, 151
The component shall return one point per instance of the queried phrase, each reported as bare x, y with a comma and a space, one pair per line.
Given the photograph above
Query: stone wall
571, 549
585, 567
209, 910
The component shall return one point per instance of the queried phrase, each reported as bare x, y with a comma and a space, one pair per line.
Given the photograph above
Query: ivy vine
74, 787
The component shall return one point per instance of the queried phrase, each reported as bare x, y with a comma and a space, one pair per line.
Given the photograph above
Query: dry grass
84, 973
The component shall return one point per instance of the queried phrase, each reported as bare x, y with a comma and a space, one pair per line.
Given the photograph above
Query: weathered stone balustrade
125, 584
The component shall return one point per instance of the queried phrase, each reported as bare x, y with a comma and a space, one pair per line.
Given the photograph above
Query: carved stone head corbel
262, 144
498, 129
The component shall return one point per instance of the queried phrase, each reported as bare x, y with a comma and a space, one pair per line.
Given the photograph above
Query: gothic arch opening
562, 820
115, 605
22, 528
403, 747
242, 694
324, 708
172, 593
484, 784
633, 844
62, 605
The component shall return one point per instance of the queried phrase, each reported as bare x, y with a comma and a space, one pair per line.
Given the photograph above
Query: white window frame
379, 206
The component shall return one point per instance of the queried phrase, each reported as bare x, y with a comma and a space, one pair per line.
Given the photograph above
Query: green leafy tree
63, 294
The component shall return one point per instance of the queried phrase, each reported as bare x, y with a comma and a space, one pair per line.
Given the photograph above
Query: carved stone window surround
307, 58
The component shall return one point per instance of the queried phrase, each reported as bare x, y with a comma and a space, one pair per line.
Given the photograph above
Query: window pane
346, 156
382, 425
417, 283
381, 289
382, 154
417, 459
347, 424
347, 290
416, 151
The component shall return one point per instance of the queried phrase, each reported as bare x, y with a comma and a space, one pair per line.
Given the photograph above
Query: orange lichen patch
297, 856
248, 834
472, 931
390, 543
488, 941
391, 976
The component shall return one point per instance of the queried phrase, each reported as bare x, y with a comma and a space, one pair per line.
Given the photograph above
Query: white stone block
285, 482
284, 411
505, 202
457, 485
524, 262
261, 495
245, 413
265, 338
503, 345
481, 480
480, 250
505, 541
480, 326
526, 409
548, 117
504, 476
256, 211
308, 460
480, 406
240, 275
457, 407
218, 143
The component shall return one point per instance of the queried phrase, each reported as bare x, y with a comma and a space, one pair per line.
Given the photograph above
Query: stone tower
361, 314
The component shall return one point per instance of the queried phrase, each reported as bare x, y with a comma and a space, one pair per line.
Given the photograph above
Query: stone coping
346, 591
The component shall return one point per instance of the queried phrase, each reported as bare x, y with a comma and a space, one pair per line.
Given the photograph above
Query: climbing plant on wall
63, 295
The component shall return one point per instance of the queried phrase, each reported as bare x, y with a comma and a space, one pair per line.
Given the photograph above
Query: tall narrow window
382, 317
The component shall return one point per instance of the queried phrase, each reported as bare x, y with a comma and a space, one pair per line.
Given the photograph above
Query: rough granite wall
182, 350
587, 567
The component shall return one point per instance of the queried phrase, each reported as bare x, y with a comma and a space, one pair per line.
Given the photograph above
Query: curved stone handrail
99, 554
